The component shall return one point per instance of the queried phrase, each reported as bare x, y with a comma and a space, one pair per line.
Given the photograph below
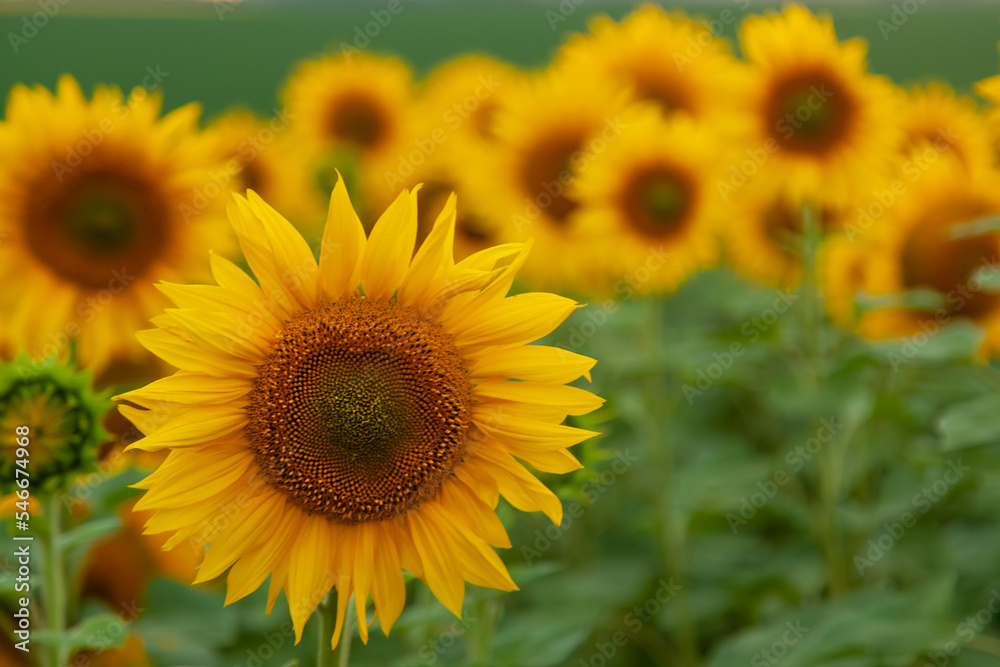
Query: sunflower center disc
360, 411
811, 112
94, 222
658, 200
357, 120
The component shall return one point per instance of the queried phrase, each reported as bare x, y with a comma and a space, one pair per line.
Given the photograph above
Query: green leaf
84, 535
98, 632
974, 422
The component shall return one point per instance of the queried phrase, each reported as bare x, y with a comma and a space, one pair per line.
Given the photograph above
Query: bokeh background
699, 531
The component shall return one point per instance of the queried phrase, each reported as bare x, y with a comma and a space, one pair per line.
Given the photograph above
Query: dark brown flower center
357, 119
361, 410
96, 219
810, 112
932, 259
658, 200
546, 172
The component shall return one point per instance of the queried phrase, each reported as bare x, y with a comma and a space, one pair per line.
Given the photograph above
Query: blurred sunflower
550, 130
352, 111
763, 236
827, 126
97, 201
649, 201
989, 89
258, 157
361, 434
933, 120
663, 58
842, 266
463, 95
936, 256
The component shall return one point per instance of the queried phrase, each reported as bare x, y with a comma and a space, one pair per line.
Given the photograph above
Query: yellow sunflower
826, 128
649, 202
934, 121
98, 200
989, 89
258, 156
331, 437
462, 97
352, 112
764, 235
663, 58
933, 256
550, 131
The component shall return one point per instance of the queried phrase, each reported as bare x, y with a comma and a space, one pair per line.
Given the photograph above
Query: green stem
346, 637
672, 522
55, 581
481, 649
326, 611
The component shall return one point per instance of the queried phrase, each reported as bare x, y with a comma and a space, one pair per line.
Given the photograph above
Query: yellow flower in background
462, 96
359, 433
98, 200
989, 89
934, 121
666, 59
550, 131
826, 128
258, 155
352, 112
934, 258
841, 271
648, 205
763, 235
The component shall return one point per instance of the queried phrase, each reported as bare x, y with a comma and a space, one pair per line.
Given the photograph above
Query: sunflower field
401, 333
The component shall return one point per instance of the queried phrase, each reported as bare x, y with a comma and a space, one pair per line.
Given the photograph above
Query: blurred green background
240, 52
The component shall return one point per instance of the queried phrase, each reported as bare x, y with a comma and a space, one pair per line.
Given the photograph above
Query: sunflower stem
814, 329
672, 521
55, 580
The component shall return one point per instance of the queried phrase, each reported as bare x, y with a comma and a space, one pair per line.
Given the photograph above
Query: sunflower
934, 259
842, 266
825, 126
665, 59
933, 121
352, 111
989, 89
764, 235
463, 95
650, 199
62, 416
327, 436
258, 156
550, 130
97, 201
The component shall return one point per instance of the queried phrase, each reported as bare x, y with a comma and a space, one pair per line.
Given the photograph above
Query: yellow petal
540, 363
572, 400
516, 320
441, 571
342, 248
390, 247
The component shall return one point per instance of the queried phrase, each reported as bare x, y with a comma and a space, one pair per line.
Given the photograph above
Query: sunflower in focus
369, 418
764, 236
934, 121
98, 200
649, 200
935, 258
826, 125
550, 130
352, 113
258, 156
665, 59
